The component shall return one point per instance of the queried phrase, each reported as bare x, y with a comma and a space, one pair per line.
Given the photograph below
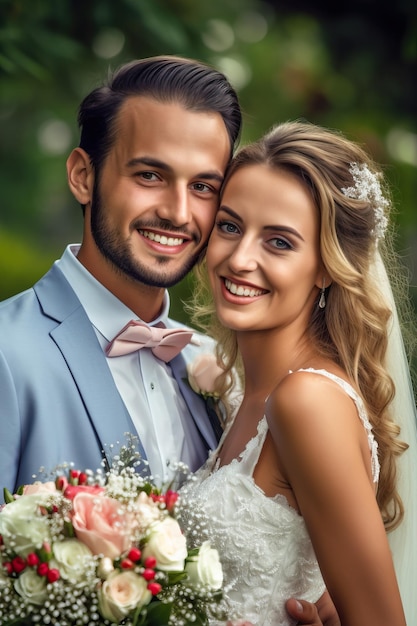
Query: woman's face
263, 256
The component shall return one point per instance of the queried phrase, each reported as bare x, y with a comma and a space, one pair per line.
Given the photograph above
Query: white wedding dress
263, 543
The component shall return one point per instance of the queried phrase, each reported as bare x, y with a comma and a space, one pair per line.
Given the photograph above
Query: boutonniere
204, 376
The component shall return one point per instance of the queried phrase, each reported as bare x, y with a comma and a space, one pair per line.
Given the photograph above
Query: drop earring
322, 300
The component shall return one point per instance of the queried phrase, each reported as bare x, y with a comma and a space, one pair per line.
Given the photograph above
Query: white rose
205, 568
167, 544
72, 559
21, 526
121, 593
31, 586
203, 373
146, 511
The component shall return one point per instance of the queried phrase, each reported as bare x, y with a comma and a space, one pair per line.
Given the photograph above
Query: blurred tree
351, 67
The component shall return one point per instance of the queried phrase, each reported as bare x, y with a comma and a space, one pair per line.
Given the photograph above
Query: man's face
154, 204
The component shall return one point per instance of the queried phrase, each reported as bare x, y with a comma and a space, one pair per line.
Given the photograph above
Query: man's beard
118, 251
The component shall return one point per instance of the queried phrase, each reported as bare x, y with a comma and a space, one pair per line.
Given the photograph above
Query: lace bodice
264, 546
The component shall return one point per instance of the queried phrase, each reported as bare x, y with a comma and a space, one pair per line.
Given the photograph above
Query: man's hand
323, 613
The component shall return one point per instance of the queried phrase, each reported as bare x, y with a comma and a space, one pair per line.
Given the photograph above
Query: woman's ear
80, 176
323, 279
323, 282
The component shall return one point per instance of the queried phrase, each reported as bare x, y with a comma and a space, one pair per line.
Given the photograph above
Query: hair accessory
368, 188
322, 301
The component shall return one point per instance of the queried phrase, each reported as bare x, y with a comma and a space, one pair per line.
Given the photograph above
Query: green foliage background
351, 67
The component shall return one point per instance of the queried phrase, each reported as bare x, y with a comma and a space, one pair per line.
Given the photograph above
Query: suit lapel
104, 406
195, 403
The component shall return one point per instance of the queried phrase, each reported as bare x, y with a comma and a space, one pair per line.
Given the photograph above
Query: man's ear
80, 175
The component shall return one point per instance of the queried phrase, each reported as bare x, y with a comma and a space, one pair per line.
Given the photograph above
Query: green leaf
176, 577
193, 553
69, 529
156, 614
8, 497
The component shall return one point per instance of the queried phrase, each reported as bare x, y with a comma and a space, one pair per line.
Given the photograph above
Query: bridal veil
403, 540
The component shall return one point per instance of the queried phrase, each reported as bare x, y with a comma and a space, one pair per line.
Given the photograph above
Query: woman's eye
227, 227
280, 244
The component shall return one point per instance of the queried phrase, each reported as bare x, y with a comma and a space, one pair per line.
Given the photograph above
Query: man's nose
176, 207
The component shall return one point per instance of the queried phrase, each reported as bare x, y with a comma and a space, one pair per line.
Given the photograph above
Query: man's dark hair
193, 84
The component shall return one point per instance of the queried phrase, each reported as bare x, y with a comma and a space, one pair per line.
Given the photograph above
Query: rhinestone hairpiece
367, 188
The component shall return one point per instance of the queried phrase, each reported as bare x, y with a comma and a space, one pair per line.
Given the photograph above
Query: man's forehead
165, 130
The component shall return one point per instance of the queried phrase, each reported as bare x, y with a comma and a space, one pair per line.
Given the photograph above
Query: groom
155, 143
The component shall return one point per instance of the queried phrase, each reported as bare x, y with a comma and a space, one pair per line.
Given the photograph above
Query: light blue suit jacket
58, 399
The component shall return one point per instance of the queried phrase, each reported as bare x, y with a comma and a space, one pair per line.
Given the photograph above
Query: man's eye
149, 176
202, 187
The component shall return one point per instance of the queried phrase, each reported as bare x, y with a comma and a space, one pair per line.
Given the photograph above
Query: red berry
53, 575
32, 559
43, 569
150, 562
8, 567
148, 574
154, 588
171, 498
82, 478
61, 482
134, 554
19, 564
127, 564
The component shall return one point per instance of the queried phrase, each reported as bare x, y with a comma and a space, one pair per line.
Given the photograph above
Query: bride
305, 486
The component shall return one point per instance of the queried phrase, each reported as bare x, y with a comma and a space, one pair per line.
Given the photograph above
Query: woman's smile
263, 256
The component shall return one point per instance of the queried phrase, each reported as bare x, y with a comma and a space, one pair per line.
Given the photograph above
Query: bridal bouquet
102, 548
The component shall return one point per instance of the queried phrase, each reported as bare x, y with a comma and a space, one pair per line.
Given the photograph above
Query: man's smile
165, 240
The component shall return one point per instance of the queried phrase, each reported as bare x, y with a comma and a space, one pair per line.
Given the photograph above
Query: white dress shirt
145, 383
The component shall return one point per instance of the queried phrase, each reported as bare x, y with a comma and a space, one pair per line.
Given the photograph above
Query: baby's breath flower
54, 578
367, 188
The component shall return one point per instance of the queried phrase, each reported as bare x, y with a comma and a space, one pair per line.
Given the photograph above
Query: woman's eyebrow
271, 227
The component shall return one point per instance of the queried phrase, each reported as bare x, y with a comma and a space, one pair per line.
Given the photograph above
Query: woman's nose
244, 256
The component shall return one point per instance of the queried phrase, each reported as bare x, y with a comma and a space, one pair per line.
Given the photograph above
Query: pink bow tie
165, 343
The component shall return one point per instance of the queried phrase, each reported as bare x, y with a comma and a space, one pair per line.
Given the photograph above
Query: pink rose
203, 374
72, 490
102, 524
39, 487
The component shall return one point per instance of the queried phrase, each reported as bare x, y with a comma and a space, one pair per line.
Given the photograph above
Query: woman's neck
269, 355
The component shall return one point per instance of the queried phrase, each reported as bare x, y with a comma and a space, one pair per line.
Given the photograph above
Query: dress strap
362, 413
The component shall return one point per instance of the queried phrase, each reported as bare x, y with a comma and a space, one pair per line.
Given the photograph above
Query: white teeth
238, 290
163, 239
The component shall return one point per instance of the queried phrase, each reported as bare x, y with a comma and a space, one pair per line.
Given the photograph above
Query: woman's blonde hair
352, 329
